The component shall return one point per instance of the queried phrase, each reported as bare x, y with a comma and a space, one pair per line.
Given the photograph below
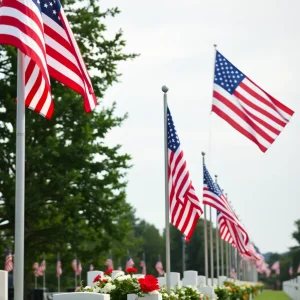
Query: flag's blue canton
218, 212
51, 8
226, 74
209, 182
173, 140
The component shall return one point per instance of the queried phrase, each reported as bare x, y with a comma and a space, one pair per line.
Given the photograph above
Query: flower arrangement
123, 285
186, 292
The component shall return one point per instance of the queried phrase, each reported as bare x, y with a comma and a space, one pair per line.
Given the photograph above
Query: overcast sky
175, 40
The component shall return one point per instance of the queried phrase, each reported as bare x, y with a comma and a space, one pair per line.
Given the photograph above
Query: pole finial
215, 45
203, 153
165, 89
216, 176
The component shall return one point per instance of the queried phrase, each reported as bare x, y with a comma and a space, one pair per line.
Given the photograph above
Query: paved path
272, 295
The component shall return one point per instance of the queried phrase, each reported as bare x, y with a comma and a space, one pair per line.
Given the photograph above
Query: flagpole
44, 276
227, 261
35, 282
230, 258
183, 254
235, 261
238, 266
75, 273
20, 179
205, 235
211, 247
144, 259
58, 277
217, 241
167, 205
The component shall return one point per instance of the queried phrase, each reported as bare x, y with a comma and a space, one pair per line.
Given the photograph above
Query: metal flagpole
144, 259
227, 260
35, 282
20, 178
235, 261
183, 255
238, 266
211, 247
222, 257
44, 275
167, 205
217, 241
75, 273
230, 259
58, 276
205, 236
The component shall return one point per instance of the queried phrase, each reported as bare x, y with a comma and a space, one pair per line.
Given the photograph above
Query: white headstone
201, 280
114, 273
161, 281
81, 296
3, 285
209, 282
215, 282
174, 279
222, 279
91, 276
190, 278
147, 297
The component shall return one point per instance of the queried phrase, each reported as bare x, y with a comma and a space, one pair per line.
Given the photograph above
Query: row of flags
39, 270
254, 113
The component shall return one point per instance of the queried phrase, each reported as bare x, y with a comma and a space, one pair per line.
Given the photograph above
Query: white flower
123, 277
121, 273
108, 288
87, 287
154, 292
96, 289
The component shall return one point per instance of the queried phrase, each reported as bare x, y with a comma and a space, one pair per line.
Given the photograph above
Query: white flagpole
167, 205
211, 247
20, 179
205, 236
217, 241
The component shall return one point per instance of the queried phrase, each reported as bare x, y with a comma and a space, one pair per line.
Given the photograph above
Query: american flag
233, 273
74, 264
247, 107
143, 265
36, 270
230, 228
40, 29
129, 262
185, 207
58, 267
109, 263
291, 270
42, 267
9, 266
298, 270
79, 268
268, 272
159, 268
91, 267
276, 267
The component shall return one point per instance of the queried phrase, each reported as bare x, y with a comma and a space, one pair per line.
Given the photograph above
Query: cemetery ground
272, 295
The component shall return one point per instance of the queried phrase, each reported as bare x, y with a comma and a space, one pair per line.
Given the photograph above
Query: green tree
75, 183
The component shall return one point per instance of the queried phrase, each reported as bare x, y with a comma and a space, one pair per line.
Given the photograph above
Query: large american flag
109, 263
159, 268
40, 29
247, 107
214, 197
9, 266
129, 262
58, 267
79, 268
185, 207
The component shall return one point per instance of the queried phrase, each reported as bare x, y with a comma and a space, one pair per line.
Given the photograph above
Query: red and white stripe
159, 268
185, 207
49, 49
9, 266
109, 263
129, 263
58, 269
143, 265
252, 111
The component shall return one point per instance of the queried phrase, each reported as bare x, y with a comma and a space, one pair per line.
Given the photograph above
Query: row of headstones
190, 278
292, 288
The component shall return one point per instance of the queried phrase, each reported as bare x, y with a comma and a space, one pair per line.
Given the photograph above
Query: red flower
131, 270
97, 278
148, 284
108, 272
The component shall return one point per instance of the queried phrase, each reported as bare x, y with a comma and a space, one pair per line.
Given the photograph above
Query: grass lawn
272, 295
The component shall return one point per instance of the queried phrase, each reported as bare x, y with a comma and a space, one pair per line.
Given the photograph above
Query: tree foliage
75, 183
